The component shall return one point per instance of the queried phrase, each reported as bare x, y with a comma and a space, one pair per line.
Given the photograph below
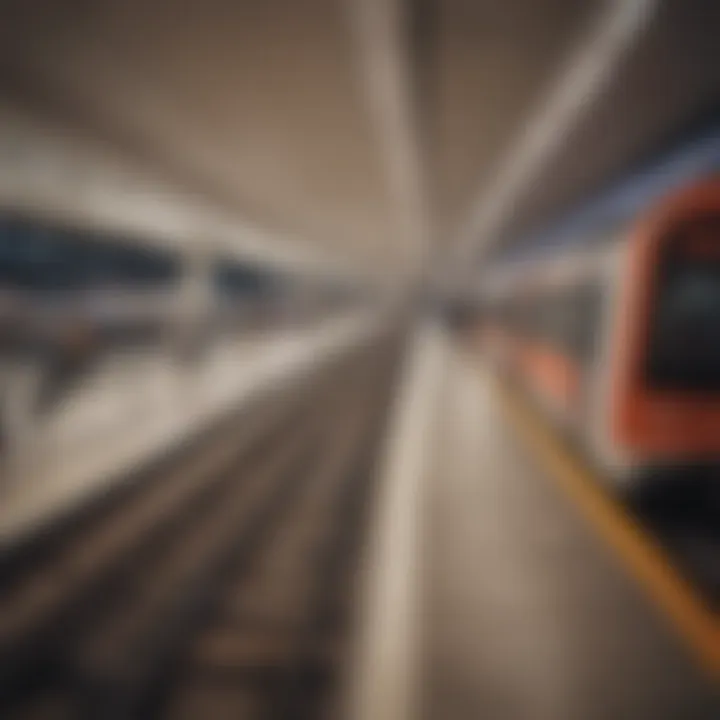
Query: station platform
501, 590
388, 533
138, 407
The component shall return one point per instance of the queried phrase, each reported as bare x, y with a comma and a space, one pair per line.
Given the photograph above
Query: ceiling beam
382, 33
580, 84
49, 120
67, 176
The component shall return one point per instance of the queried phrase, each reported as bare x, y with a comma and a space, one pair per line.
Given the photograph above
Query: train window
236, 280
31, 259
39, 258
684, 323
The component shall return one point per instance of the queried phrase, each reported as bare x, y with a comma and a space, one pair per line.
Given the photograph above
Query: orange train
619, 340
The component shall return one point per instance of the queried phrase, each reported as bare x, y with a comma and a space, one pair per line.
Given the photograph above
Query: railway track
220, 584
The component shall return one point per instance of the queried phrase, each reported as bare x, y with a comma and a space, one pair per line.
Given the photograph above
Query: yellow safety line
642, 554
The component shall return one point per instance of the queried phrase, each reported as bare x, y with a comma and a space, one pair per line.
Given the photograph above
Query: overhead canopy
362, 135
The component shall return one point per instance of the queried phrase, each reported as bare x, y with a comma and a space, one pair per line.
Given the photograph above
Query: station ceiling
371, 131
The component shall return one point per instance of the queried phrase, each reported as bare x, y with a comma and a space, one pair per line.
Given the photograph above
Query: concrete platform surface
528, 613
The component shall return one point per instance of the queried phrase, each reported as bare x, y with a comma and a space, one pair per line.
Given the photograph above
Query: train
75, 290
615, 337
73, 298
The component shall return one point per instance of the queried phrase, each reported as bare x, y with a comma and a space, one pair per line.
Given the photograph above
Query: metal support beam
588, 72
380, 28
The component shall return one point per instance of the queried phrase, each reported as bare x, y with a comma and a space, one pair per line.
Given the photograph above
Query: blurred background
359, 358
